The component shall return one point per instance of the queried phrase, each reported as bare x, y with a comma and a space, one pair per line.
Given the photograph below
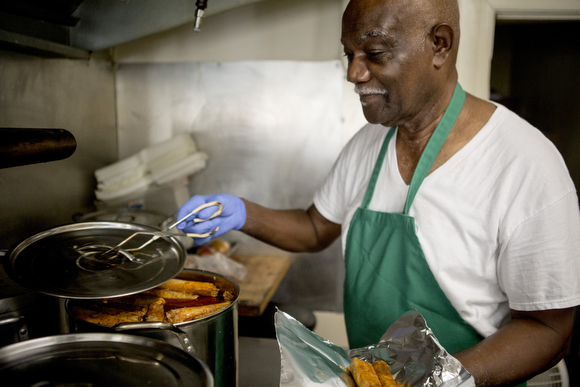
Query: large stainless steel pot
100, 360
56, 262
214, 338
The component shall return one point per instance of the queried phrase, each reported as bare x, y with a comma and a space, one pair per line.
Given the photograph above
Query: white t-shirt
498, 223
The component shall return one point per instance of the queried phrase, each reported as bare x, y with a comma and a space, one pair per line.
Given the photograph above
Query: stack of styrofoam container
168, 163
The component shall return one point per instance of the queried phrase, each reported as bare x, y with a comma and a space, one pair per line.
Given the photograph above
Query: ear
442, 37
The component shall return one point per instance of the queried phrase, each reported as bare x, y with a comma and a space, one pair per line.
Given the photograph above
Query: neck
415, 133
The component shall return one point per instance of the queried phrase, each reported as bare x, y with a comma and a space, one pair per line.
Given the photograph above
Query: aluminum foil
415, 356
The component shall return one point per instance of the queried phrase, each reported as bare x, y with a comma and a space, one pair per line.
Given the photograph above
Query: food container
100, 360
214, 338
61, 262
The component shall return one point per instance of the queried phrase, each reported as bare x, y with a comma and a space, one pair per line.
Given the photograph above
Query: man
445, 203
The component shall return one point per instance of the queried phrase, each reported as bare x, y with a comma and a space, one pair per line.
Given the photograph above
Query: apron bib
386, 271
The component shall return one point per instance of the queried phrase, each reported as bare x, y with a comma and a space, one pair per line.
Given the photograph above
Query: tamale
384, 373
363, 373
206, 289
179, 315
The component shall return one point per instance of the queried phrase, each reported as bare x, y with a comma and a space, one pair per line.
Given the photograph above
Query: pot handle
181, 335
15, 326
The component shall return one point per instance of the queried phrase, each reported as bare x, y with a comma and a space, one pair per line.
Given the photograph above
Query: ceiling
74, 28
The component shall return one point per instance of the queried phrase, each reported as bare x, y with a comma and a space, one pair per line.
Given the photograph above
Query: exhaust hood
74, 28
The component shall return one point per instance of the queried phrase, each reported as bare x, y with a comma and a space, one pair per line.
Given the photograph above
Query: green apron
386, 271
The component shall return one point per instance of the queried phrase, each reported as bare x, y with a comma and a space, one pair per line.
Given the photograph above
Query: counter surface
262, 281
259, 362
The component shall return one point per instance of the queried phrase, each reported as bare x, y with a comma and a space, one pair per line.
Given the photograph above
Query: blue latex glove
233, 216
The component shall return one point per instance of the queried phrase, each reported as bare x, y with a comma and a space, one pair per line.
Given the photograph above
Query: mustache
369, 90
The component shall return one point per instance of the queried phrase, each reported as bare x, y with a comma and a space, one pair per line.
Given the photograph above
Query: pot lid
126, 215
67, 261
100, 360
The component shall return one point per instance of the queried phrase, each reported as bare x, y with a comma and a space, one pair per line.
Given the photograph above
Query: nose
357, 71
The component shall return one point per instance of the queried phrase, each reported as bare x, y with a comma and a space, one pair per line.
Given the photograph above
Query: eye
375, 55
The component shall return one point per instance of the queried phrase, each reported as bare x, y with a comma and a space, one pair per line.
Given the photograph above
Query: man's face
389, 58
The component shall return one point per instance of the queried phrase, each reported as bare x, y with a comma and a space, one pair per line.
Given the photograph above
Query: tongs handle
217, 213
197, 220
166, 233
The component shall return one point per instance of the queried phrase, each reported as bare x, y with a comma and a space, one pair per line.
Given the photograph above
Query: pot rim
24, 350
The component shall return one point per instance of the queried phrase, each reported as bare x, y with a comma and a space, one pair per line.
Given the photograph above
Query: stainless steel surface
272, 131
214, 338
100, 360
271, 128
107, 23
126, 215
259, 362
55, 93
63, 261
72, 29
40, 28
179, 334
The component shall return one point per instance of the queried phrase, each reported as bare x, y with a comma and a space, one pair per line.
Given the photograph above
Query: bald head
401, 55
422, 15
442, 11
437, 12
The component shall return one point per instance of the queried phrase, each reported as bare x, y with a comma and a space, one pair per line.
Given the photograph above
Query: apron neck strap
375, 176
429, 153
435, 144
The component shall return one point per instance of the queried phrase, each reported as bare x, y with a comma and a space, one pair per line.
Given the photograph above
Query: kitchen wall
75, 95
261, 89
301, 38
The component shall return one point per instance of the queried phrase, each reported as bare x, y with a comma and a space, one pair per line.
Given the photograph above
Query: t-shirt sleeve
539, 268
330, 199
349, 174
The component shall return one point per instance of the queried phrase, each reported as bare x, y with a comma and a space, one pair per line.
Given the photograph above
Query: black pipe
20, 146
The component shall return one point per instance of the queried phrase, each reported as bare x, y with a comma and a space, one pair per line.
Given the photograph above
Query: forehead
383, 19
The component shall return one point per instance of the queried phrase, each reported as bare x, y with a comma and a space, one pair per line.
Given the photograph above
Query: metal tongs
166, 233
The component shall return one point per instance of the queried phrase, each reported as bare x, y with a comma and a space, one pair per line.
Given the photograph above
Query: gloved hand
233, 216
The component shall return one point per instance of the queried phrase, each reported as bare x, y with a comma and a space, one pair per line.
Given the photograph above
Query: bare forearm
519, 350
291, 230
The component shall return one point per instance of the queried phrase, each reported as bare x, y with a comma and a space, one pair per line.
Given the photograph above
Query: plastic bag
415, 356
217, 263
